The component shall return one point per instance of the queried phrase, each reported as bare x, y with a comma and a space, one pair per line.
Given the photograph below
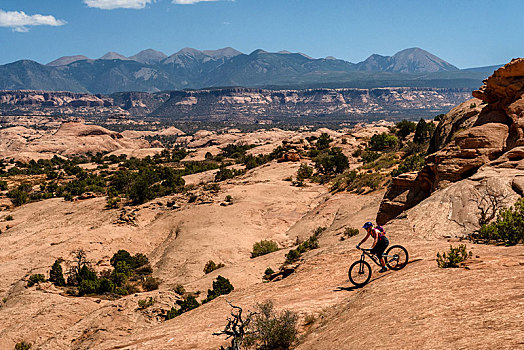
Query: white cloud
19, 20
115, 4
188, 2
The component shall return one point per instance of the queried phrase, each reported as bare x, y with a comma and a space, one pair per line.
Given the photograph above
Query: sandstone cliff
481, 136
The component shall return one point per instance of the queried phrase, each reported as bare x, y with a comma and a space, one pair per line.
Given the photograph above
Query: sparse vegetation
264, 247
311, 243
267, 273
271, 329
145, 303
221, 286
56, 275
507, 228
350, 232
211, 266
383, 142
23, 346
453, 257
34, 279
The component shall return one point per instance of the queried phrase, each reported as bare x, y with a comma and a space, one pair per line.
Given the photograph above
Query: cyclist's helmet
367, 225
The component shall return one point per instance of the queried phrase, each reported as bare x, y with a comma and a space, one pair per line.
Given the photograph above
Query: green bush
150, 283
304, 172
454, 257
273, 330
221, 286
9, 218
414, 162
211, 266
423, 131
145, 303
264, 247
369, 156
383, 142
105, 286
187, 304
56, 274
351, 231
268, 271
292, 256
23, 346
34, 279
18, 197
404, 128
87, 287
509, 226
323, 141
331, 162
3, 185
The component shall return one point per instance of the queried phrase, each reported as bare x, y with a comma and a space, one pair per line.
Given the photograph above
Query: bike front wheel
359, 273
396, 257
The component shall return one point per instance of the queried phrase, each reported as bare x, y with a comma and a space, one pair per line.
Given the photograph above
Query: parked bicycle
396, 257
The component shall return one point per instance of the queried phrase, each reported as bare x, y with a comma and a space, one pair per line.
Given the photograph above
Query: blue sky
465, 33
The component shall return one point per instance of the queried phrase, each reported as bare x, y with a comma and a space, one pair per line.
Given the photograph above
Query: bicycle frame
366, 252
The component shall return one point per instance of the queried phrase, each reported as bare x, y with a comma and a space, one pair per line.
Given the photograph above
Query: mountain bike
396, 257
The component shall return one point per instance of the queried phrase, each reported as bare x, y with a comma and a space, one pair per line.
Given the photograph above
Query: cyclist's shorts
381, 246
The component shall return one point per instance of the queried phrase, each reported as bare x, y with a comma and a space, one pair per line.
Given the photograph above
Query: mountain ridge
189, 68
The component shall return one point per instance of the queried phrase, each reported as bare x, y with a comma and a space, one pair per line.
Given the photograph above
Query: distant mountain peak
149, 56
111, 55
258, 52
226, 52
65, 60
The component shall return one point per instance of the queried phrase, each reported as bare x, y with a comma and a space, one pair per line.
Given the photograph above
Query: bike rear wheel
359, 273
396, 257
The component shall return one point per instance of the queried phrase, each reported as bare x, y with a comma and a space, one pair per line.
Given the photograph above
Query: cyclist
380, 243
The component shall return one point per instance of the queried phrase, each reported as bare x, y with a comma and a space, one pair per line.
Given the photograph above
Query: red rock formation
468, 137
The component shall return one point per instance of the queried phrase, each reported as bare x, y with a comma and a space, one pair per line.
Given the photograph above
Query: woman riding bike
380, 243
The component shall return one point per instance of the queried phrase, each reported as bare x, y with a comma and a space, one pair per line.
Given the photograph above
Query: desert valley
121, 228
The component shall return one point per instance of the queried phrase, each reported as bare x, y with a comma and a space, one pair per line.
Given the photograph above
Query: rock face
485, 130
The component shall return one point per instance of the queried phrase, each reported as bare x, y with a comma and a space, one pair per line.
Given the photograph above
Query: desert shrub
18, 197
34, 279
473, 105
385, 161
145, 303
351, 231
423, 131
414, 162
179, 289
439, 117
383, 142
453, 257
323, 141
292, 256
221, 286
211, 266
150, 283
264, 247
105, 286
273, 330
309, 319
132, 262
229, 199
112, 202
9, 218
226, 173
188, 303
309, 244
87, 287
304, 172
508, 227
268, 272
331, 162
404, 128
369, 156
3, 185
23, 346
56, 274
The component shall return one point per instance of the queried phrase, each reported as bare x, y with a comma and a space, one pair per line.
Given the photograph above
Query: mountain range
152, 71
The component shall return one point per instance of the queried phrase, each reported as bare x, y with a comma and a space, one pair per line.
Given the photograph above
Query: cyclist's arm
365, 239
375, 242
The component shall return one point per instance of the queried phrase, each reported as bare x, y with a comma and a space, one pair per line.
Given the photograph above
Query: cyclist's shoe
383, 269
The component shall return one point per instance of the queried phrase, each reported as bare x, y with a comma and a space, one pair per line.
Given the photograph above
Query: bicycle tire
354, 269
401, 253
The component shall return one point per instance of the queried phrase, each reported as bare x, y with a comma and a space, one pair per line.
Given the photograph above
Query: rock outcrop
485, 130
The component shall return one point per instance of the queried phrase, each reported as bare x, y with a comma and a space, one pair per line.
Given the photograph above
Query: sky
466, 33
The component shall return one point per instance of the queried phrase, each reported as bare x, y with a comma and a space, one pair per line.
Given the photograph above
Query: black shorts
382, 244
